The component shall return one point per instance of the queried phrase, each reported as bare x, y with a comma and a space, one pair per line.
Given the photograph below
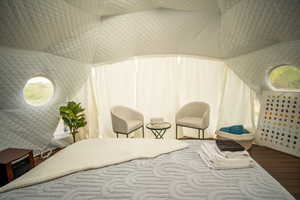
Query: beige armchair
126, 120
193, 115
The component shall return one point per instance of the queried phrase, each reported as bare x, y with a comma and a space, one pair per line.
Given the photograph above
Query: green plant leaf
73, 116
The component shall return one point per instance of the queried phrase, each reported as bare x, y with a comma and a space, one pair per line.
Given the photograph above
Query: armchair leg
117, 135
127, 135
199, 133
143, 131
176, 132
203, 134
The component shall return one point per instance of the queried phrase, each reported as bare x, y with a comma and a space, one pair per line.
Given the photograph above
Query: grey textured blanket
177, 175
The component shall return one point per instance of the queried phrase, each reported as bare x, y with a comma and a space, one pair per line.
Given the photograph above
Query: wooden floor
283, 167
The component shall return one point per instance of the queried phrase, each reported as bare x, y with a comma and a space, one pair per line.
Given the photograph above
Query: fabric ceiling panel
132, 36
117, 7
224, 6
254, 66
253, 25
35, 25
111, 7
81, 48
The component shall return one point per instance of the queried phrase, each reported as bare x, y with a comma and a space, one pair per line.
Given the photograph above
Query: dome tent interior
154, 56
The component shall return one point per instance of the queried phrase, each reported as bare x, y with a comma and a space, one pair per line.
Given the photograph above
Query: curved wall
252, 67
22, 125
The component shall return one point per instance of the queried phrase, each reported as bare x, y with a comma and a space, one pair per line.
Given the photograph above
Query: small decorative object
73, 117
156, 120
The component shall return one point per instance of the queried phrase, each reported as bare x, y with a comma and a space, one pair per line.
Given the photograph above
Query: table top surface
159, 126
12, 154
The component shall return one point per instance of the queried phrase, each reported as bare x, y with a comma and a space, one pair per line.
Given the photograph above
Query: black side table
158, 129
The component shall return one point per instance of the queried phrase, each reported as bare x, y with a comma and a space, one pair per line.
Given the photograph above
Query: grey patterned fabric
177, 175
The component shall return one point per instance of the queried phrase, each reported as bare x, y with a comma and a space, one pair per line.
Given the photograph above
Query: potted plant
73, 117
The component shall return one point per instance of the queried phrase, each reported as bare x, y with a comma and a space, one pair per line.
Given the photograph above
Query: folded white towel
232, 163
212, 157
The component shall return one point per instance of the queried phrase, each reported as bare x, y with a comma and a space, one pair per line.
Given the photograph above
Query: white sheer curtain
159, 86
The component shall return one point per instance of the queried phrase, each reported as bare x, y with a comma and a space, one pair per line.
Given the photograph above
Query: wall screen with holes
279, 123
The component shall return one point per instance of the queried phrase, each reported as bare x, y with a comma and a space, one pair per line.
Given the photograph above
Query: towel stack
216, 159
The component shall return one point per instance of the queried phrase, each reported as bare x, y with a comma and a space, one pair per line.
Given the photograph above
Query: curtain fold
237, 102
159, 86
86, 96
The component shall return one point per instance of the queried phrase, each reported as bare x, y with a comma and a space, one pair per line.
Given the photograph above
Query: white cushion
194, 122
241, 137
133, 124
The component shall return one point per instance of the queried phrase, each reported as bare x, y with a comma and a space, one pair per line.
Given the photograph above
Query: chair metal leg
127, 135
143, 131
203, 134
117, 135
176, 132
199, 133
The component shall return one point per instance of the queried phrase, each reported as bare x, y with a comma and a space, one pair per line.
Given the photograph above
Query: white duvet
91, 154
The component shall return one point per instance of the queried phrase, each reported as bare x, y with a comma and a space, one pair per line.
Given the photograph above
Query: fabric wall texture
254, 67
23, 125
159, 86
59, 38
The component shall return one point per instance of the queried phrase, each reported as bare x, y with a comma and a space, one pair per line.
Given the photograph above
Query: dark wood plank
283, 167
12, 154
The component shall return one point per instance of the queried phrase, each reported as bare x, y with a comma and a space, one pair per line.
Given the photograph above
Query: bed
176, 175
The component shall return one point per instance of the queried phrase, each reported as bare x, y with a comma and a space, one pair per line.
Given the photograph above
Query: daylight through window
38, 91
285, 77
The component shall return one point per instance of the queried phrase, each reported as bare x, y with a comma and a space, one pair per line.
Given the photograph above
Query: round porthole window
285, 77
38, 91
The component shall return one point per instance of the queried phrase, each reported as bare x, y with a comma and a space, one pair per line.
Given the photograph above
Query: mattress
177, 175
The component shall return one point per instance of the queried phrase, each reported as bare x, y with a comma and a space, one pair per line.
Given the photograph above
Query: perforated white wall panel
279, 125
22, 125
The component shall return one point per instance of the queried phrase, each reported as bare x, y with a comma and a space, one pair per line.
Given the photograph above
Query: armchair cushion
133, 124
125, 120
194, 122
240, 137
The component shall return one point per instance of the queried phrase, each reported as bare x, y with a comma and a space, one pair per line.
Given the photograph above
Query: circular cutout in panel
285, 77
38, 91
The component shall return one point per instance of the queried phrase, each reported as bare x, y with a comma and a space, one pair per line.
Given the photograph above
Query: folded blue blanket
237, 129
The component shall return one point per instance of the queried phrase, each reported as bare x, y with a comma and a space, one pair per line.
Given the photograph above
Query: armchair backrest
193, 109
124, 113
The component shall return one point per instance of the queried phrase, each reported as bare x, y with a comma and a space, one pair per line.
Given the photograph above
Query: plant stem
73, 134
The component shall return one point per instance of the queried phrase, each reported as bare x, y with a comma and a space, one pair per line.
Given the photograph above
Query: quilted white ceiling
96, 31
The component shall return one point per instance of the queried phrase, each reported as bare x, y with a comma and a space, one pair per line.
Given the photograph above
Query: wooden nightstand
14, 163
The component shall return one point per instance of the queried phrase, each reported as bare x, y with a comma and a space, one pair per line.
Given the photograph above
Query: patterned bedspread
178, 175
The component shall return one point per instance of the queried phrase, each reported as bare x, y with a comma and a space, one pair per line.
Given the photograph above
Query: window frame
268, 81
51, 98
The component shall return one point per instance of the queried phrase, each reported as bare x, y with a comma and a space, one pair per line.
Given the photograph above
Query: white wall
23, 125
